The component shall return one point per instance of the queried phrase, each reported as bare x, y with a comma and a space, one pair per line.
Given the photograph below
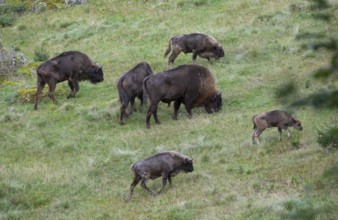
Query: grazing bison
165, 165
73, 66
130, 86
198, 44
192, 85
276, 118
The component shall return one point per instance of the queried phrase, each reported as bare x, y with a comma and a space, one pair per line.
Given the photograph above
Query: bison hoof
70, 96
122, 123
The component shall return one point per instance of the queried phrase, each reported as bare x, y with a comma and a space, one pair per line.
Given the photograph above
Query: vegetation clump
26, 95
328, 137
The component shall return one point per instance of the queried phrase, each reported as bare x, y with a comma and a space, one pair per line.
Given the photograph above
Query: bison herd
191, 85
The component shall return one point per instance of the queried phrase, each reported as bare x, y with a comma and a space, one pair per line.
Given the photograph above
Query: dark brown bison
192, 85
276, 118
165, 165
73, 66
130, 86
198, 44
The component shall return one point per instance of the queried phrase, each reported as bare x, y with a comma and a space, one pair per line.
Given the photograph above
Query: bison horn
220, 92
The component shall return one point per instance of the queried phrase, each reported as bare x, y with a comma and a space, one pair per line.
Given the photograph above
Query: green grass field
71, 160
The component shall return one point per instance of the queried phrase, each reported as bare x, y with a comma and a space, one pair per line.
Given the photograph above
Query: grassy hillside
71, 161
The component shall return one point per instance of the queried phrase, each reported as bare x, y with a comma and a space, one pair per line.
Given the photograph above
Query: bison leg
149, 113
174, 54
52, 85
40, 85
289, 133
258, 132
170, 183
144, 186
253, 137
74, 88
280, 134
194, 56
177, 105
155, 116
132, 186
164, 183
132, 108
123, 112
188, 109
140, 97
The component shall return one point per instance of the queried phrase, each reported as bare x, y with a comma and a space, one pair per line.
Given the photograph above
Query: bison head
188, 166
218, 51
96, 75
215, 102
297, 125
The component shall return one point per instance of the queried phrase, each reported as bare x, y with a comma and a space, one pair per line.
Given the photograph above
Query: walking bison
165, 165
277, 118
130, 86
192, 85
73, 66
198, 44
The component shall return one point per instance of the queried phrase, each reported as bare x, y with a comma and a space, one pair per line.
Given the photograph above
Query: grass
71, 161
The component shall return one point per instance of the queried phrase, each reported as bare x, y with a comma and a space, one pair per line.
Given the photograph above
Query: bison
192, 85
198, 44
130, 86
277, 118
73, 66
165, 165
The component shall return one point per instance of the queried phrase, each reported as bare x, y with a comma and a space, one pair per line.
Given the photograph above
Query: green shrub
9, 14
22, 27
40, 54
328, 137
7, 20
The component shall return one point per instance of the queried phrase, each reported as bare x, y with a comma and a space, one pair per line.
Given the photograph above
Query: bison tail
131, 168
123, 96
149, 69
253, 120
145, 90
168, 49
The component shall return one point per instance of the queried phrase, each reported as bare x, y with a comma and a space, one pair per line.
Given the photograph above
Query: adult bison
192, 85
165, 165
130, 86
277, 118
73, 66
198, 44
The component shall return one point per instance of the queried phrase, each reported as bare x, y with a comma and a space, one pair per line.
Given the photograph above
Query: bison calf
73, 66
165, 165
198, 44
192, 85
130, 86
276, 118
